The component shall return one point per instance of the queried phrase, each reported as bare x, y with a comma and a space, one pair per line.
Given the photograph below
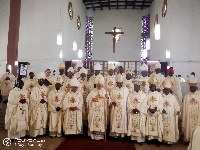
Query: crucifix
115, 35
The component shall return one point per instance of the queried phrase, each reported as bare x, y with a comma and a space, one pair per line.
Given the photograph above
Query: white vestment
110, 82
38, 111
170, 119
97, 113
91, 83
55, 99
66, 85
118, 122
129, 84
72, 123
137, 122
7, 85
29, 85
16, 119
145, 84
194, 143
191, 114
154, 124
159, 78
176, 88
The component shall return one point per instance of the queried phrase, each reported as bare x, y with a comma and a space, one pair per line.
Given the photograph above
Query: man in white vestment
70, 75
158, 76
84, 90
97, 102
194, 142
38, 107
7, 82
118, 122
61, 69
77, 69
16, 119
137, 111
145, 79
176, 88
91, 82
191, 109
55, 105
30, 83
154, 124
128, 81
171, 110
72, 107
50, 79
110, 81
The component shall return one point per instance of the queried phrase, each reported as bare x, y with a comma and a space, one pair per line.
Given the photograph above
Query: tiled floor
53, 143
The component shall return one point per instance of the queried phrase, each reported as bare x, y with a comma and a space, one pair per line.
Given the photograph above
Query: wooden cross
114, 35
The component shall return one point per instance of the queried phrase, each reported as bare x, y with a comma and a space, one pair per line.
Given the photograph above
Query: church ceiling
116, 4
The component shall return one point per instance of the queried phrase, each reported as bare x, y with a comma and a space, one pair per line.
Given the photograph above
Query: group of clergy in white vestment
144, 108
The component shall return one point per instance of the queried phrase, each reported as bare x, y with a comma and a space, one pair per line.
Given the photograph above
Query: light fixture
144, 53
6, 61
59, 38
157, 32
16, 63
148, 44
80, 53
74, 46
167, 53
168, 67
61, 54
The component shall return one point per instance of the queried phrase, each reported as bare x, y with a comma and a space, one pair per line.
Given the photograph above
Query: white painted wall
40, 22
179, 33
4, 26
128, 48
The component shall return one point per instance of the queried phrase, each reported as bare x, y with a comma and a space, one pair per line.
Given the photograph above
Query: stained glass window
70, 10
78, 22
89, 38
164, 8
145, 38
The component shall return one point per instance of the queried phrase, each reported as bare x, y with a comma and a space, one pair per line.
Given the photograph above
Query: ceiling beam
144, 6
134, 4
109, 4
102, 2
117, 4
92, 5
125, 4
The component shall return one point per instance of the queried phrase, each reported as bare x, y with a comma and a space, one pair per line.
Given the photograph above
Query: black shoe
140, 143
149, 142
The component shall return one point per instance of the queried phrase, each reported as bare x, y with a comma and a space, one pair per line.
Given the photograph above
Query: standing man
191, 109
50, 79
144, 77
97, 102
55, 105
154, 124
70, 75
171, 110
30, 83
118, 123
159, 77
61, 68
176, 88
128, 82
16, 119
110, 81
137, 112
72, 107
7, 82
91, 82
38, 107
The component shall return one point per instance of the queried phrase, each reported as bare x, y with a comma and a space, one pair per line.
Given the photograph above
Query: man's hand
113, 103
73, 108
58, 109
153, 110
7, 78
22, 101
95, 99
136, 111
178, 113
164, 111
158, 90
42, 101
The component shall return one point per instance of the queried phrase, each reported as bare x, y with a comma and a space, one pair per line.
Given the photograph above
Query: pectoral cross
114, 33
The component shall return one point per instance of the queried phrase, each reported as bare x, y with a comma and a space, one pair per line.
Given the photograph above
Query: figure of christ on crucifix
114, 34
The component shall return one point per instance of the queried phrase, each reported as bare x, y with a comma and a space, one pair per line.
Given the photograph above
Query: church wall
128, 48
40, 22
4, 26
179, 33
